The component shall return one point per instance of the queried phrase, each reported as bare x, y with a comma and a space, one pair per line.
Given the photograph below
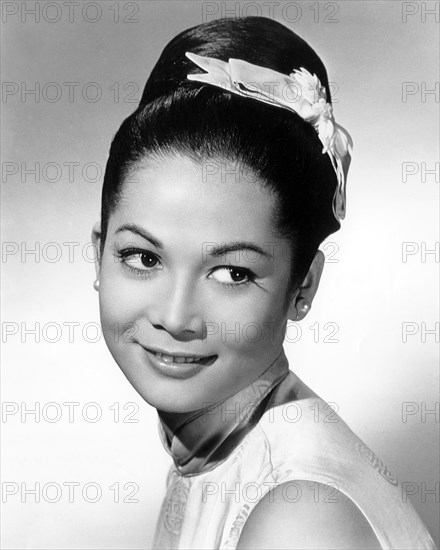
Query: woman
218, 191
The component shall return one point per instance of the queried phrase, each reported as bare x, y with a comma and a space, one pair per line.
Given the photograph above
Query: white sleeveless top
302, 440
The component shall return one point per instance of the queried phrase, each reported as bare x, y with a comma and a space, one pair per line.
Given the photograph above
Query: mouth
182, 358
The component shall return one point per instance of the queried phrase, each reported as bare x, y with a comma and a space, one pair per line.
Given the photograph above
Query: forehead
214, 200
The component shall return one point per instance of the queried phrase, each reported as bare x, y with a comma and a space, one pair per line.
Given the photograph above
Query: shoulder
305, 514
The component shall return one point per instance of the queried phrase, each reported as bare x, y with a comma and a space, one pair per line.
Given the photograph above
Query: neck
199, 440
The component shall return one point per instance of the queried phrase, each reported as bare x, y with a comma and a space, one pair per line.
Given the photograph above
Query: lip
174, 369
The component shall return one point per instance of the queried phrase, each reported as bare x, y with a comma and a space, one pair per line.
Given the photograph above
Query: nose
177, 310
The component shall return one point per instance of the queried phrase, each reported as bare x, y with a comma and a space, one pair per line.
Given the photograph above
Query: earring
304, 309
96, 285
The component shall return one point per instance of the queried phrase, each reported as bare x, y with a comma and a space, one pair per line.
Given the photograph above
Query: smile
184, 358
178, 365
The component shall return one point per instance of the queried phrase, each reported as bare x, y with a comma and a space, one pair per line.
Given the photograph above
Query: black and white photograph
220, 275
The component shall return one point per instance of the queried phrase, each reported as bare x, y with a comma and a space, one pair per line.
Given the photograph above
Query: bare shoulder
304, 514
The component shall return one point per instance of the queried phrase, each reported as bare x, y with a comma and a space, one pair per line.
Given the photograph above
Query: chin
169, 393
165, 395
168, 401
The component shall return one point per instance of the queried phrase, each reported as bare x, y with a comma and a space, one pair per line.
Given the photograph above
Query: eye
139, 261
233, 276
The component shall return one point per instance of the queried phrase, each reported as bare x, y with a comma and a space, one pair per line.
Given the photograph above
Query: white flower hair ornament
300, 92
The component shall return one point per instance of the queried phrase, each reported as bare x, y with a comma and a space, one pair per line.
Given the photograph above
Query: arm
297, 516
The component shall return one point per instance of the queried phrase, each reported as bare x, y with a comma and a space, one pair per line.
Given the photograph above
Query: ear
96, 240
303, 298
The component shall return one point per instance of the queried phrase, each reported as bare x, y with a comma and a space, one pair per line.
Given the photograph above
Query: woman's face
192, 269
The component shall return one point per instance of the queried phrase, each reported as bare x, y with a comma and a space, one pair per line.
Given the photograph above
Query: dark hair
176, 115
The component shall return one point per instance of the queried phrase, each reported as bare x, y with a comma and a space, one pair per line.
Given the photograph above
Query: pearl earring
96, 285
304, 309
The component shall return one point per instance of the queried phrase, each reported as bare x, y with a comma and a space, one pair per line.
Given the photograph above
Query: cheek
250, 325
114, 318
119, 303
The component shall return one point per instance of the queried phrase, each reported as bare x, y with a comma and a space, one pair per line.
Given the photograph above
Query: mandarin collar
200, 440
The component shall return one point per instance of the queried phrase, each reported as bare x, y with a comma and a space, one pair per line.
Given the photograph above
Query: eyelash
247, 272
123, 255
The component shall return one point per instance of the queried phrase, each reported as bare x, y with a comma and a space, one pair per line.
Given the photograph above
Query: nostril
178, 333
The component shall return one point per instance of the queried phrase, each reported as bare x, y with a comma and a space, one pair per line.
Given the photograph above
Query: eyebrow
226, 248
215, 251
138, 230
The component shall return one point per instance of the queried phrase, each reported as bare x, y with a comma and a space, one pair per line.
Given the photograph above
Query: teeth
171, 359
